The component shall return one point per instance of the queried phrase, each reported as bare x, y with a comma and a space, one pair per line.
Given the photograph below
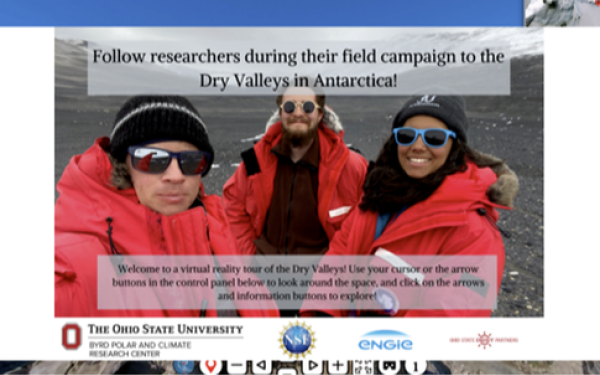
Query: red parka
247, 194
87, 199
456, 220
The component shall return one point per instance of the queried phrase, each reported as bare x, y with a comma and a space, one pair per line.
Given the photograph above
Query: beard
297, 137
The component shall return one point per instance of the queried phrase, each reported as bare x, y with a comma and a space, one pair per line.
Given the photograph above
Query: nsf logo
385, 340
297, 340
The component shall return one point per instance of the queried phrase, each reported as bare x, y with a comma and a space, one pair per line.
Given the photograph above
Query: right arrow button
311, 367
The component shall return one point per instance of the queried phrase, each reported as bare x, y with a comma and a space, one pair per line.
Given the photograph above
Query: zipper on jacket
483, 212
207, 229
205, 219
289, 214
175, 236
116, 258
113, 248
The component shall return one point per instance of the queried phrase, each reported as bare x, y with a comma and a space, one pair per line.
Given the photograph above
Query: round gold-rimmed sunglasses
308, 106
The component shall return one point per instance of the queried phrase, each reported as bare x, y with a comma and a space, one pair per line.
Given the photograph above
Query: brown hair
120, 177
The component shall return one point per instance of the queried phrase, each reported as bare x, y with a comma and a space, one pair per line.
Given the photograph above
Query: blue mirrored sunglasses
156, 160
434, 138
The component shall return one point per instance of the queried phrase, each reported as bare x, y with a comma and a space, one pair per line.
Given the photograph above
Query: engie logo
385, 340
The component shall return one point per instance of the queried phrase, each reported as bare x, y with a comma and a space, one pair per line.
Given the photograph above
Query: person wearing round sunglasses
298, 183
427, 194
139, 192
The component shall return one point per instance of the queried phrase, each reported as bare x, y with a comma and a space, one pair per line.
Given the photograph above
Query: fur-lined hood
330, 119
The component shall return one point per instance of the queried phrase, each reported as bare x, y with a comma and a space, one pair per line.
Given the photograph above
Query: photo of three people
329, 175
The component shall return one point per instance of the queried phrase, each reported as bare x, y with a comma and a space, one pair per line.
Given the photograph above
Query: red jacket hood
449, 204
460, 191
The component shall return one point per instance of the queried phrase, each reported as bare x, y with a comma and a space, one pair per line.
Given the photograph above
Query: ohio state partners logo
297, 340
485, 340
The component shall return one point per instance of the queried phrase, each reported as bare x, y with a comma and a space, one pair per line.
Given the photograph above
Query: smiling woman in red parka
426, 197
140, 193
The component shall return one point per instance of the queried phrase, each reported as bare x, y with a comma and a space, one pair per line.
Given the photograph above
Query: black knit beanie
144, 119
448, 109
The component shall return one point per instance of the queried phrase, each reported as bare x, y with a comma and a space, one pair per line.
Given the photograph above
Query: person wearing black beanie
448, 109
427, 202
135, 194
148, 118
160, 121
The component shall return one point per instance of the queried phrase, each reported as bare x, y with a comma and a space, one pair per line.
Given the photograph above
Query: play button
311, 367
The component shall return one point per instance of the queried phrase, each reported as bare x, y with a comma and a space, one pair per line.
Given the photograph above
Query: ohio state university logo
74, 341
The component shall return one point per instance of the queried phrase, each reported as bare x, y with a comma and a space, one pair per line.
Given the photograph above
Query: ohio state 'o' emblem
65, 336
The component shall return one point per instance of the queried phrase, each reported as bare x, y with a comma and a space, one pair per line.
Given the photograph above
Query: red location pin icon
211, 366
